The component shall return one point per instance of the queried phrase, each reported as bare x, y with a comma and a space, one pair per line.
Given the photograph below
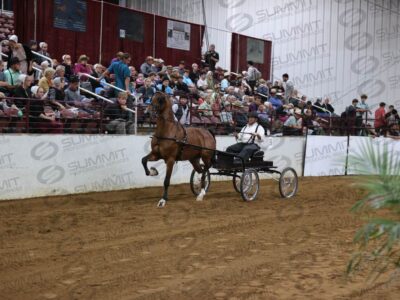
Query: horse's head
159, 103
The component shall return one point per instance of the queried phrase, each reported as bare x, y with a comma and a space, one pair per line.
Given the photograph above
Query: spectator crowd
203, 94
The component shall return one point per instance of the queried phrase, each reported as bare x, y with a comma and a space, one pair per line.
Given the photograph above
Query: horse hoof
161, 203
153, 171
199, 198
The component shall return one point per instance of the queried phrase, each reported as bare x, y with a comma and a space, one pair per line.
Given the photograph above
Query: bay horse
172, 142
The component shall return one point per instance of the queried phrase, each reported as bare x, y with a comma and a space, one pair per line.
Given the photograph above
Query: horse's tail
213, 157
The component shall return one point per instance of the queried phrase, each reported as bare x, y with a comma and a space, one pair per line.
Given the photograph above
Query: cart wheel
288, 183
236, 182
249, 185
195, 182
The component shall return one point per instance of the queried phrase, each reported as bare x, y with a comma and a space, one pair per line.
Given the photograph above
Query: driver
249, 138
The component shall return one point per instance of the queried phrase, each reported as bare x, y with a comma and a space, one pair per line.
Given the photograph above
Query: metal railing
45, 57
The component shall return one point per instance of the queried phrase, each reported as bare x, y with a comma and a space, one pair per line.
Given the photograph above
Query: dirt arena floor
118, 245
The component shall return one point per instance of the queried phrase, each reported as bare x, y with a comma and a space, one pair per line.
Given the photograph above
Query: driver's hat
253, 114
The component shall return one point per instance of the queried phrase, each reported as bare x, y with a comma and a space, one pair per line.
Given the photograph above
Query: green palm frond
381, 166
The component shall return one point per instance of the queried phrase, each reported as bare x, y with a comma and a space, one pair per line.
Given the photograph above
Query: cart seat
258, 156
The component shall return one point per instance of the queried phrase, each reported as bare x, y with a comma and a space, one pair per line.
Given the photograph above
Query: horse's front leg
168, 173
150, 157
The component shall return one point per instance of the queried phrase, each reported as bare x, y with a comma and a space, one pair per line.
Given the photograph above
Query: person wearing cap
294, 124
211, 57
249, 138
147, 67
182, 86
274, 100
13, 73
181, 110
22, 52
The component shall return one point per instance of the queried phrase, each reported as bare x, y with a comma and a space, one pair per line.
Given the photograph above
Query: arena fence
46, 165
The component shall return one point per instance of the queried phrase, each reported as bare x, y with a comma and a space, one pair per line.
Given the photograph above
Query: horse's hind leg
203, 171
168, 173
150, 157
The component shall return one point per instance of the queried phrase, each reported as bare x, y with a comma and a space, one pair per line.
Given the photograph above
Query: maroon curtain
63, 41
239, 55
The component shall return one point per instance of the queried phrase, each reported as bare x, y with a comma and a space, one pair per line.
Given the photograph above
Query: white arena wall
339, 48
46, 165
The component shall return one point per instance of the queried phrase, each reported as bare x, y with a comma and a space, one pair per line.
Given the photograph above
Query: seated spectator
56, 94
66, 63
82, 66
181, 67
226, 114
164, 86
4, 86
294, 98
225, 82
23, 91
98, 70
318, 106
263, 116
263, 90
210, 80
181, 86
216, 106
195, 73
43, 51
392, 117
274, 100
147, 67
202, 82
181, 110
60, 71
204, 108
240, 116
159, 66
294, 124
327, 106
73, 96
7, 107
186, 78
147, 91
42, 118
393, 131
13, 73
134, 73
46, 82
120, 118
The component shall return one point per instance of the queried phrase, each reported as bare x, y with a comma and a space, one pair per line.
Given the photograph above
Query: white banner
358, 147
325, 155
178, 35
42, 165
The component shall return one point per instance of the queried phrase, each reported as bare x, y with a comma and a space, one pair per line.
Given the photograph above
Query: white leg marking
201, 195
161, 203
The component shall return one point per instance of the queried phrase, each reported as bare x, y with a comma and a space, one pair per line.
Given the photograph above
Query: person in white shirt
249, 139
202, 82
